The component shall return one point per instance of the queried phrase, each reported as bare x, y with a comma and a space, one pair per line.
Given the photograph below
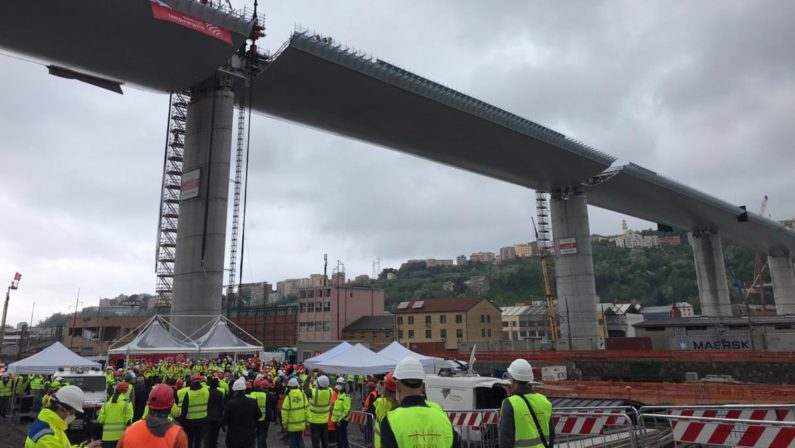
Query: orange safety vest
372, 396
331, 425
138, 435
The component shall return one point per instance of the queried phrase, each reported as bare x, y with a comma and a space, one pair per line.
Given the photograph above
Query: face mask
69, 419
339, 388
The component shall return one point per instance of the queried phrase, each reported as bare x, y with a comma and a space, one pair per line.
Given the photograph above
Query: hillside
650, 276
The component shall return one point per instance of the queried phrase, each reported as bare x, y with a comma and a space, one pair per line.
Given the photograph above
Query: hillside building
443, 324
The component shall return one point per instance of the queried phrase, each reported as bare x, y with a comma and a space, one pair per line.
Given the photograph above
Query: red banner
161, 11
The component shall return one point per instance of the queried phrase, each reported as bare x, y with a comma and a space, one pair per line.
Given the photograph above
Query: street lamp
14, 285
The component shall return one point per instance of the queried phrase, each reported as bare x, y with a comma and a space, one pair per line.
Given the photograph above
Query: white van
464, 393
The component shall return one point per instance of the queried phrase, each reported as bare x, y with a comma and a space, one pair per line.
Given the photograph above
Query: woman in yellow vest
115, 416
295, 414
416, 423
525, 417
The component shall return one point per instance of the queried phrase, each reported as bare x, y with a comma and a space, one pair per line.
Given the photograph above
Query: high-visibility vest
197, 403
421, 426
20, 386
262, 399
295, 411
114, 417
47, 431
139, 435
319, 404
342, 407
36, 383
6, 387
382, 406
331, 425
525, 430
176, 411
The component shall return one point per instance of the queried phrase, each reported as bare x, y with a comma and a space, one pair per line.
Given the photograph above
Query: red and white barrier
735, 434
578, 424
473, 419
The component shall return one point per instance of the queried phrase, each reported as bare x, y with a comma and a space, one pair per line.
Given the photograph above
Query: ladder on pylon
170, 197
542, 213
239, 152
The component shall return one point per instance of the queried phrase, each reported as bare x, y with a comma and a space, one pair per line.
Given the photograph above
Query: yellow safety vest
382, 406
262, 399
47, 431
319, 405
36, 383
6, 388
295, 411
176, 411
21, 385
114, 417
197, 403
342, 407
421, 427
525, 430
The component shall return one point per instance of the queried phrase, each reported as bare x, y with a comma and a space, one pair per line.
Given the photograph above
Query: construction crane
552, 316
759, 265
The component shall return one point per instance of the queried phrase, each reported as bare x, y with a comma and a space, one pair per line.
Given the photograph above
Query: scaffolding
241, 147
170, 197
542, 212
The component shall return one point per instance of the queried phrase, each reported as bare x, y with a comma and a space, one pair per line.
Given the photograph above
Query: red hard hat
122, 387
161, 398
179, 384
370, 386
195, 377
389, 382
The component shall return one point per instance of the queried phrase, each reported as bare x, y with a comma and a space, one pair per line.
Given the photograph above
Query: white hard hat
292, 383
71, 396
521, 370
409, 368
322, 381
239, 384
340, 380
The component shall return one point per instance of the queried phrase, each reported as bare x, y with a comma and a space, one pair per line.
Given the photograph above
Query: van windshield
86, 383
489, 397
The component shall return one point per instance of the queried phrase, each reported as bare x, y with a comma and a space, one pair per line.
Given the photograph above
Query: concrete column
576, 289
201, 233
713, 287
783, 276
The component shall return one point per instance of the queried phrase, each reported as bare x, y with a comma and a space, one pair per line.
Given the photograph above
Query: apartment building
444, 323
324, 311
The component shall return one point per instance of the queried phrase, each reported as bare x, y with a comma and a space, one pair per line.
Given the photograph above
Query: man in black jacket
240, 417
215, 412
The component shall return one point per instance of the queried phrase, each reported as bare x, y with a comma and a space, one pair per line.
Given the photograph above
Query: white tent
325, 356
396, 351
357, 360
221, 339
154, 339
49, 360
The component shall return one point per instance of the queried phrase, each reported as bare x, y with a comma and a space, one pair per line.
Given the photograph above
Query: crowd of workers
188, 405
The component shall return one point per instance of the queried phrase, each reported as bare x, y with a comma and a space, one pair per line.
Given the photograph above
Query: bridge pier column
574, 277
713, 287
783, 276
201, 232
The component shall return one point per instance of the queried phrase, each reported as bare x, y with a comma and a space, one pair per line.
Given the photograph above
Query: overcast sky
703, 92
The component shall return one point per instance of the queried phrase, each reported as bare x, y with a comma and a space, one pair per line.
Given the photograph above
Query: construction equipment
759, 265
552, 316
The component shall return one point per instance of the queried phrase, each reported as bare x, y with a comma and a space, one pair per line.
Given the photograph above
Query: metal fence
721, 431
360, 429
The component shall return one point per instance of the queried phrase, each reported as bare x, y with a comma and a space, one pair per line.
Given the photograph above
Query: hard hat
71, 396
340, 380
521, 370
322, 381
122, 387
179, 384
239, 384
389, 382
409, 368
292, 383
370, 385
109, 368
161, 398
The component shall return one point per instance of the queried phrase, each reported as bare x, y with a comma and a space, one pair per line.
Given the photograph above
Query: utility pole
14, 285
74, 320
33, 308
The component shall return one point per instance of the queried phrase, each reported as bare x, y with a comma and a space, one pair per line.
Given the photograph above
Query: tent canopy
358, 360
396, 351
49, 360
154, 339
325, 356
221, 339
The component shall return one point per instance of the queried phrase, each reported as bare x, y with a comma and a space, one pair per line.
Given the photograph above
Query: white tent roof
357, 360
49, 360
325, 356
395, 351
221, 339
154, 339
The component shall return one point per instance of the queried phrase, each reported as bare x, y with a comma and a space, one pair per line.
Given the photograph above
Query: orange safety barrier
673, 393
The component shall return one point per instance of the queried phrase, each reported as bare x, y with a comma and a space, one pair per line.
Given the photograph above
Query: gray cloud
701, 92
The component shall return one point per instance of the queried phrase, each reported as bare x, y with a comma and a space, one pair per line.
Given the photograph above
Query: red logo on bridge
161, 11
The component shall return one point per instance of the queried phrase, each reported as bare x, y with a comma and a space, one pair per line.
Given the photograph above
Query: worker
37, 390
295, 413
262, 402
48, 430
115, 415
416, 422
319, 404
385, 403
372, 394
215, 412
241, 414
525, 416
157, 429
342, 408
6, 391
21, 385
194, 411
